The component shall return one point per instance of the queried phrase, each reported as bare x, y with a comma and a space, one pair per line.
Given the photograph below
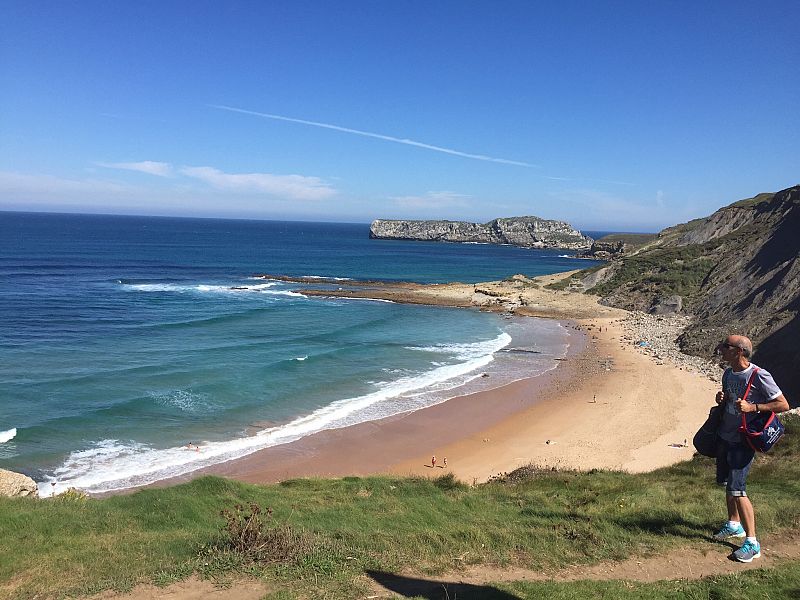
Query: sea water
138, 348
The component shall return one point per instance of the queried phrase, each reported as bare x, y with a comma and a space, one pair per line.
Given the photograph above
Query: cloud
213, 192
431, 200
22, 191
379, 136
292, 186
20, 183
150, 167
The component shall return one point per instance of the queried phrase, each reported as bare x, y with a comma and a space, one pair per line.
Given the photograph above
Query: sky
611, 115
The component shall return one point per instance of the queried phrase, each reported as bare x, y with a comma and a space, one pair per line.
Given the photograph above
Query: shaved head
742, 342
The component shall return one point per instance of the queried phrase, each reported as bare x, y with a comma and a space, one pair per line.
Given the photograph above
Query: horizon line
286, 220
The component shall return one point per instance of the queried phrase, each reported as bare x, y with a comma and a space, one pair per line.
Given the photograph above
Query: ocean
133, 349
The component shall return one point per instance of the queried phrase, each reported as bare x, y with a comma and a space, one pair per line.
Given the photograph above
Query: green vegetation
317, 538
678, 270
754, 201
575, 279
633, 240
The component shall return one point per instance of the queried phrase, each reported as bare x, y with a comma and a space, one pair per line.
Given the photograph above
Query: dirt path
689, 563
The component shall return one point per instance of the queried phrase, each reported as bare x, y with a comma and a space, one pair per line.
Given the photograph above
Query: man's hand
744, 407
720, 397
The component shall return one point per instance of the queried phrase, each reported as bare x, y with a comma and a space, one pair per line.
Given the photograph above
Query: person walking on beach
735, 457
433, 461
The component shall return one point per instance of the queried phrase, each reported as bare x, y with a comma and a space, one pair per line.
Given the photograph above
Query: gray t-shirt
734, 384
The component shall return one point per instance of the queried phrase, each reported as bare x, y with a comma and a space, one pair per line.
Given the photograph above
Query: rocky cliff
17, 485
736, 271
529, 232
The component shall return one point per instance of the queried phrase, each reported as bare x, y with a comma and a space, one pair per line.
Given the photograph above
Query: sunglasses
727, 345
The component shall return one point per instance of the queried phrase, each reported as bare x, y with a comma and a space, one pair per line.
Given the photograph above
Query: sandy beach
606, 406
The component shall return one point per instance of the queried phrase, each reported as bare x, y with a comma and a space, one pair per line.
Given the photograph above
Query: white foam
468, 350
157, 287
7, 436
285, 293
324, 277
364, 299
204, 288
262, 286
184, 400
113, 465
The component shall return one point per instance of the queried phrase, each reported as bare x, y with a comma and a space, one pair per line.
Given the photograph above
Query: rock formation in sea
528, 232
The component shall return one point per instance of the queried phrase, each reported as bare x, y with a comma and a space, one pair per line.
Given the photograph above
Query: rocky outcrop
17, 485
605, 250
528, 232
667, 306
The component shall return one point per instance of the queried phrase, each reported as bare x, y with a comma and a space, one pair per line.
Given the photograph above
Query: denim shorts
733, 465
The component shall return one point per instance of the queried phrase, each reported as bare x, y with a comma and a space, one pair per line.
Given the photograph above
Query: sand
606, 406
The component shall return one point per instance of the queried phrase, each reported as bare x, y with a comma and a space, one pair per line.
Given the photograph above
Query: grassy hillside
631, 240
318, 538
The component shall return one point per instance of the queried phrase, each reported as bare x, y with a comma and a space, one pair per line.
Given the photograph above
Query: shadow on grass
663, 524
672, 525
429, 589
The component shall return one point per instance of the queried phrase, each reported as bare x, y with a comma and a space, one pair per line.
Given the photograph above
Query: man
735, 456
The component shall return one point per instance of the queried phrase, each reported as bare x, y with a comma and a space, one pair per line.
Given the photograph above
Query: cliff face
737, 271
529, 232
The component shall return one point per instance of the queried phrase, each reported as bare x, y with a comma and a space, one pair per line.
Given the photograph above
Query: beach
608, 405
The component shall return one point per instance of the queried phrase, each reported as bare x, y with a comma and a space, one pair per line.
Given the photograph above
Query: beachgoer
433, 461
735, 457
444, 461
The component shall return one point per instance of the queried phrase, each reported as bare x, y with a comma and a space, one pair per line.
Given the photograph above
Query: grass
633, 240
754, 201
680, 270
334, 531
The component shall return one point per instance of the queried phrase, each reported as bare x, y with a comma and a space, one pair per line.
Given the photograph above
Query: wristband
756, 407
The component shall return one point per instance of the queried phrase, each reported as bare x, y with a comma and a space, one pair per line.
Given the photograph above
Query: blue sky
610, 115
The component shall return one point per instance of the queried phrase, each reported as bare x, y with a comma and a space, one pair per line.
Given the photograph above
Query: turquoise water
126, 338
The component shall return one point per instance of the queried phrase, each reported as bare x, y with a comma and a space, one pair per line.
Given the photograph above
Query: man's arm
778, 404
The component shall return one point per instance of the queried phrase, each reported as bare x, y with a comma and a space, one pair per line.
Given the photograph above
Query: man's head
734, 348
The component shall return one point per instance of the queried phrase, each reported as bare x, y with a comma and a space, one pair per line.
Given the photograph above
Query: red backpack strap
747, 393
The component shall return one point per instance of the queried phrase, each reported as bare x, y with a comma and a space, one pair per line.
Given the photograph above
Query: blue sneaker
728, 532
748, 552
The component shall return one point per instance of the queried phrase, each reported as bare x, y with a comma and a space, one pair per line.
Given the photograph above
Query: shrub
252, 533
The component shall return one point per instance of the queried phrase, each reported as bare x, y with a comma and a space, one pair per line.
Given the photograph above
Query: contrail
379, 136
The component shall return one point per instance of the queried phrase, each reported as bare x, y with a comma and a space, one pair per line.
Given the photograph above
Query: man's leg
745, 510
740, 458
733, 508
733, 527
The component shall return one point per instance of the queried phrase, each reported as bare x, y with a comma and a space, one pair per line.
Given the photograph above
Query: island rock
528, 232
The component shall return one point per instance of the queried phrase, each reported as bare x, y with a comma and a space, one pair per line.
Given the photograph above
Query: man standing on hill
735, 456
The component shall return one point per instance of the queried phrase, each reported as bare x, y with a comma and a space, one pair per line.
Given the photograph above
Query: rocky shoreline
656, 336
